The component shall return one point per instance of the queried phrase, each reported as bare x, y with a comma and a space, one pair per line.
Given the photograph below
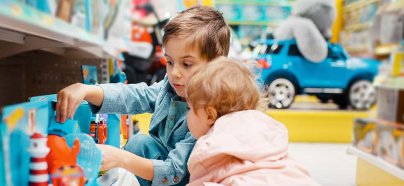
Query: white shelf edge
378, 162
77, 37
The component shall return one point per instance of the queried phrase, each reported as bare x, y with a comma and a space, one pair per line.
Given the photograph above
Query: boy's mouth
178, 86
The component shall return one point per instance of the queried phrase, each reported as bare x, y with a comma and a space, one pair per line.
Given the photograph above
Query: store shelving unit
255, 2
40, 53
359, 4
252, 17
355, 32
372, 170
255, 23
24, 25
359, 19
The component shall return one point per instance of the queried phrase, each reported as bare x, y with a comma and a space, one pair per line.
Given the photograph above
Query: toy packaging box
380, 138
390, 103
30, 135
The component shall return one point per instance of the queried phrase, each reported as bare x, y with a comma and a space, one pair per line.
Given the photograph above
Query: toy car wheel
362, 95
281, 93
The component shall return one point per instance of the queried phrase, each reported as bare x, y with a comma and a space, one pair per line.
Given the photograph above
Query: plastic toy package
380, 138
35, 149
390, 142
365, 135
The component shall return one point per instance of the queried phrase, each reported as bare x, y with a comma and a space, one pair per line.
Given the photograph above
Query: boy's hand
68, 99
111, 156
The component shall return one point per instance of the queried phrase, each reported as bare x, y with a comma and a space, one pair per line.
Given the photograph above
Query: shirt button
176, 179
172, 117
165, 180
175, 104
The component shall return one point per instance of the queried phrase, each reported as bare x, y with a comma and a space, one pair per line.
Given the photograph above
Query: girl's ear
212, 115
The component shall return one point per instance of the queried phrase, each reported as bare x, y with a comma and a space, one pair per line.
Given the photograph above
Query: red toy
61, 159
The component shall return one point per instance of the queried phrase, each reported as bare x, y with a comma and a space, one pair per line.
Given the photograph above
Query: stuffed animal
310, 24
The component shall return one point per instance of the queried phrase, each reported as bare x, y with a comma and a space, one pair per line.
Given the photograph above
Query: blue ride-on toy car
286, 73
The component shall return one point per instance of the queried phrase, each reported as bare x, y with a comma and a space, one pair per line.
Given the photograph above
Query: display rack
235, 13
359, 4
25, 25
250, 18
40, 53
255, 2
358, 17
255, 23
378, 162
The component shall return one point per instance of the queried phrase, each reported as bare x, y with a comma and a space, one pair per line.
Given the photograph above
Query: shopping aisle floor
328, 163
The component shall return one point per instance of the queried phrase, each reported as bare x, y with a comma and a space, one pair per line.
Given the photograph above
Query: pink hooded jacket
245, 148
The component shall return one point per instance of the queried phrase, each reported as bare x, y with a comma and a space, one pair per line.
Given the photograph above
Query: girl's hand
68, 99
111, 156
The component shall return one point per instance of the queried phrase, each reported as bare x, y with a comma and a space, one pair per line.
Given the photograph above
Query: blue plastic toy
286, 73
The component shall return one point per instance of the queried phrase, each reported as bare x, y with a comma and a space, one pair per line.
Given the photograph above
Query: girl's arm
114, 157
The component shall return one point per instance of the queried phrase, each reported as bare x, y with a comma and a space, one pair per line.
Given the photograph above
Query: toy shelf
372, 170
358, 26
22, 24
359, 4
357, 49
258, 23
264, 3
385, 49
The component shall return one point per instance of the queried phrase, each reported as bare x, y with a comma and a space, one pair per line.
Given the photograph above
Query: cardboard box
390, 102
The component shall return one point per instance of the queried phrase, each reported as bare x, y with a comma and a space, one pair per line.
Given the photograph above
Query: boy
194, 37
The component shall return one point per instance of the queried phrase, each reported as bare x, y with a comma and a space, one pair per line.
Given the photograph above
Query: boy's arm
69, 98
114, 157
128, 99
169, 172
174, 169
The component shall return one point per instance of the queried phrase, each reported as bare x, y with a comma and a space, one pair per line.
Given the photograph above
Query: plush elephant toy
310, 24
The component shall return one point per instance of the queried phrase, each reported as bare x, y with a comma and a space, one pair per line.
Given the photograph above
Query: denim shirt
168, 124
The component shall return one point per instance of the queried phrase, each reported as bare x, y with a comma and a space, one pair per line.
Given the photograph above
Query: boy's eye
170, 62
187, 65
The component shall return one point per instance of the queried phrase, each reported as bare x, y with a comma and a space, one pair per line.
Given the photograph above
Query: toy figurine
68, 175
99, 131
39, 167
60, 153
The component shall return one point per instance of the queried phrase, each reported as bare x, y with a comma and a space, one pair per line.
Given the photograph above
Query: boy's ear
212, 115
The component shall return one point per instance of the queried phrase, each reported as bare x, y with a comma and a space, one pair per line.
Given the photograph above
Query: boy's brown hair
225, 85
204, 29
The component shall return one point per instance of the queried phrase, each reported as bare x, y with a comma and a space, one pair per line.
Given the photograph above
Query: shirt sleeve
174, 169
128, 99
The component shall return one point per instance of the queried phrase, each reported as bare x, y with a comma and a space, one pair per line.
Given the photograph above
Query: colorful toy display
31, 130
287, 73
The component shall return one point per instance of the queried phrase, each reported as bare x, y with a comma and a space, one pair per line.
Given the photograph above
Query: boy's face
198, 122
181, 64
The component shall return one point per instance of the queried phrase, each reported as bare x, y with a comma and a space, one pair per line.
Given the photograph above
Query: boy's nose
176, 72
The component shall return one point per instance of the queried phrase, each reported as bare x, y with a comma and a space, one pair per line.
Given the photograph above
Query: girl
237, 144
